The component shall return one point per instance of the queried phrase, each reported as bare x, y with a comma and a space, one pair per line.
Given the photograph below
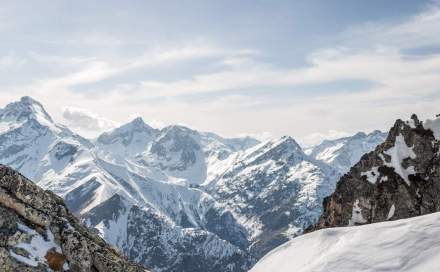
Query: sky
310, 69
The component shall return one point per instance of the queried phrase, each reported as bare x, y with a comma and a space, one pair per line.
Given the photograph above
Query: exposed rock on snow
407, 166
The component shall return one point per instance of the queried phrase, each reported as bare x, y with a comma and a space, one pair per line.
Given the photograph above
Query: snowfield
403, 245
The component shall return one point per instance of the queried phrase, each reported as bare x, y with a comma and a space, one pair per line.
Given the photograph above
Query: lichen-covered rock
38, 233
399, 179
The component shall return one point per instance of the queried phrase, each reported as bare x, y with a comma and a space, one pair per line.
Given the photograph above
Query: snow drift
403, 245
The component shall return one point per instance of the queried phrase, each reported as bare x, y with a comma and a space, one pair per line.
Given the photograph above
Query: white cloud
86, 122
262, 136
318, 137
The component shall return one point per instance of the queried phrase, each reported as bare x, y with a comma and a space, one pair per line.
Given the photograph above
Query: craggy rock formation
399, 179
38, 233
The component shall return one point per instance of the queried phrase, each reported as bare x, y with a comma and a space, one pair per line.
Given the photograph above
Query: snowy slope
408, 245
343, 153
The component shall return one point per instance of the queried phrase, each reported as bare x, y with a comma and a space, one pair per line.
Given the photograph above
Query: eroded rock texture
399, 179
38, 233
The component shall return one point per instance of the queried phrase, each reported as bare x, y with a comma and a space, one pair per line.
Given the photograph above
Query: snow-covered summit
343, 153
129, 139
274, 189
25, 109
177, 151
28, 111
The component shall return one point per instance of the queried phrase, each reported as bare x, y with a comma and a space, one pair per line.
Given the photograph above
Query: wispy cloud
379, 60
95, 70
375, 53
86, 122
11, 60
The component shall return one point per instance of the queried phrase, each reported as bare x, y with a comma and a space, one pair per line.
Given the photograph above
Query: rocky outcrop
399, 179
38, 233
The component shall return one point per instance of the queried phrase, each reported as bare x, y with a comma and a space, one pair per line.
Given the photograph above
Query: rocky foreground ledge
38, 233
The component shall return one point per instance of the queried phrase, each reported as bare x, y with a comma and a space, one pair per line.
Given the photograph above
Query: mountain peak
178, 129
360, 134
136, 134
25, 109
289, 141
29, 100
138, 122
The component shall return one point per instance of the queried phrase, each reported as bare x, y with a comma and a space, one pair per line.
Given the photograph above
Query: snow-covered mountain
407, 245
173, 199
398, 180
89, 175
32, 143
128, 140
343, 153
274, 189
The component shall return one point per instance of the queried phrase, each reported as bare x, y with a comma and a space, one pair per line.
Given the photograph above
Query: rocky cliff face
399, 179
38, 233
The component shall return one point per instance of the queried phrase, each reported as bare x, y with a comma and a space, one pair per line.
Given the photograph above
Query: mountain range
398, 180
176, 199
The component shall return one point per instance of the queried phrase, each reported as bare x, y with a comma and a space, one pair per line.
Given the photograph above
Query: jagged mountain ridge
283, 195
40, 234
399, 179
87, 176
343, 153
210, 203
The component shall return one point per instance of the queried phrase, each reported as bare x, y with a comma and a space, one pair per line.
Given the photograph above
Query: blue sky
309, 69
